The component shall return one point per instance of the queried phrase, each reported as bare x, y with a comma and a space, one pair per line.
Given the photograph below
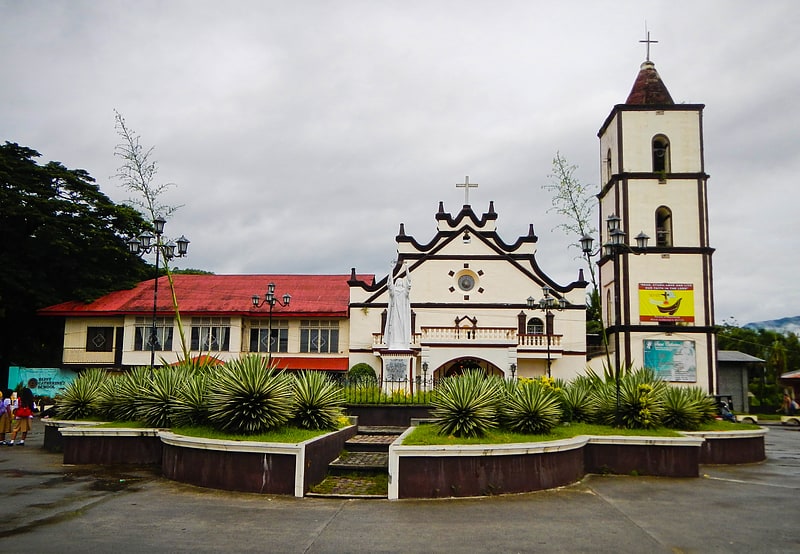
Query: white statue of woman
398, 319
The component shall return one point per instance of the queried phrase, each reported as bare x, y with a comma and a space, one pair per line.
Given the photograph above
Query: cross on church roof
466, 185
648, 42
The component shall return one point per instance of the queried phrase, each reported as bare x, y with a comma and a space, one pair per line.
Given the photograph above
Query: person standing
23, 415
5, 416
786, 405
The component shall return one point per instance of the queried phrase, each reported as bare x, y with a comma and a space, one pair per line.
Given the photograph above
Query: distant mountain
783, 325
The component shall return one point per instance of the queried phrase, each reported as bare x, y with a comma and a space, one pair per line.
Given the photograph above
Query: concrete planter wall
731, 447
387, 415
478, 470
105, 445
53, 440
270, 468
452, 471
660, 456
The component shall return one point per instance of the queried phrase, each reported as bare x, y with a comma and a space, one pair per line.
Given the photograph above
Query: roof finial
648, 41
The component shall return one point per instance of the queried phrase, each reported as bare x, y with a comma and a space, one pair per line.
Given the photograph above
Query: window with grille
264, 340
99, 339
319, 336
144, 335
211, 334
535, 326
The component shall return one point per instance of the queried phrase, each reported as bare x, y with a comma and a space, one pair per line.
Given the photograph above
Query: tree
575, 202
781, 353
137, 173
61, 239
572, 200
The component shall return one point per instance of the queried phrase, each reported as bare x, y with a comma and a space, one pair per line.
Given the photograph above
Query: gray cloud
291, 129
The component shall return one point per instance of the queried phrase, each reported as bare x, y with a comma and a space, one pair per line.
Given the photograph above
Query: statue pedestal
396, 372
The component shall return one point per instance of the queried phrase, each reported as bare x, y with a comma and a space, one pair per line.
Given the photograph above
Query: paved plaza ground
48, 507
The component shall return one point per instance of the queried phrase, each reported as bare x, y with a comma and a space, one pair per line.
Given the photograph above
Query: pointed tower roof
649, 89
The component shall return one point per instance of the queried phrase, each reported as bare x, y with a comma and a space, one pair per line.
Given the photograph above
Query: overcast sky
301, 134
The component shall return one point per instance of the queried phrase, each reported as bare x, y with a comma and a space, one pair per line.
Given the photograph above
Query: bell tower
657, 300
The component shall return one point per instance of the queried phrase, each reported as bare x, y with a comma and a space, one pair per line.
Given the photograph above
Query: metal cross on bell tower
648, 42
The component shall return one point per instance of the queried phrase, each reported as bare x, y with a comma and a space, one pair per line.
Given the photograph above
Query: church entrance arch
461, 365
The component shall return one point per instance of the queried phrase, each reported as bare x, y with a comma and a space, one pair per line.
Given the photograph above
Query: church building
474, 299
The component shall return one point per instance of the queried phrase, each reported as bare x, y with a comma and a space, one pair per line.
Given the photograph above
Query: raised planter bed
731, 447
660, 456
107, 445
478, 470
270, 468
53, 440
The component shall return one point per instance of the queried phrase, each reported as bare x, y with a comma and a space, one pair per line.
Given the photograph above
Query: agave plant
156, 403
190, 407
706, 404
687, 408
679, 410
79, 399
249, 397
640, 401
466, 405
576, 401
532, 408
119, 397
317, 401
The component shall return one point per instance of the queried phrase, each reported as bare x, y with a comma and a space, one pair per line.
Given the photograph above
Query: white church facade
476, 299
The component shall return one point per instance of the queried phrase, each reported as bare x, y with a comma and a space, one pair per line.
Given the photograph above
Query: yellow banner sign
673, 302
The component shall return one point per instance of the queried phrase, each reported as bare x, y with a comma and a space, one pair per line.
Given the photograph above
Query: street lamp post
613, 249
271, 299
144, 245
547, 304
424, 376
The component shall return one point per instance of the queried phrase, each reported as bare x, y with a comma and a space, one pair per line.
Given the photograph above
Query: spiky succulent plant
317, 401
79, 399
466, 405
248, 396
532, 408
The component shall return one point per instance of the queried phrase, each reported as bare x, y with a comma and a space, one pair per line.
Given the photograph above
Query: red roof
649, 89
222, 295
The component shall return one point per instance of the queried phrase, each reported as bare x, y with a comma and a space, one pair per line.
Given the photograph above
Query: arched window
609, 309
535, 326
663, 226
661, 163
608, 165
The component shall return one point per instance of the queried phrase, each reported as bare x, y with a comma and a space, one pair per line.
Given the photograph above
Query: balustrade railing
467, 335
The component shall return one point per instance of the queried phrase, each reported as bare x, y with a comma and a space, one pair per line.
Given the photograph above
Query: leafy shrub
362, 373
79, 399
318, 401
466, 405
249, 397
532, 408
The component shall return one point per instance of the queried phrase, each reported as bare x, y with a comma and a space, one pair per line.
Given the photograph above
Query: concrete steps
362, 469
